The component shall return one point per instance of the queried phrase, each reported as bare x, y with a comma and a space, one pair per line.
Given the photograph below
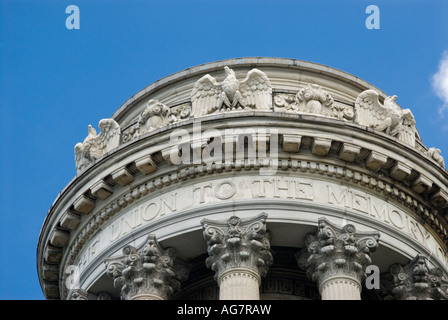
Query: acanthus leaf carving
253, 92
96, 145
238, 244
337, 251
416, 280
151, 270
388, 117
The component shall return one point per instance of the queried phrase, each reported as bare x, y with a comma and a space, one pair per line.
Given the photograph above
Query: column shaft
340, 288
239, 284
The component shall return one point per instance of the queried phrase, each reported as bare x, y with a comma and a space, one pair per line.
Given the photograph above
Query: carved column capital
149, 273
79, 294
417, 280
238, 243
337, 252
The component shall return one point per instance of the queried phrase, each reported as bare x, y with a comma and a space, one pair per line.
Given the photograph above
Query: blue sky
54, 82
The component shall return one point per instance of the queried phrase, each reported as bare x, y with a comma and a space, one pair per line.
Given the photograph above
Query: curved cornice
244, 62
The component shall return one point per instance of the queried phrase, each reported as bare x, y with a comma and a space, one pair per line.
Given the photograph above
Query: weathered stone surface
59, 238
70, 220
400, 171
122, 176
416, 280
320, 146
146, 164
339, 255
375, 160
291, 143
387, 117
101, 189
349, 152
146, 274
209, 95
95, 146
238, 243
84, 204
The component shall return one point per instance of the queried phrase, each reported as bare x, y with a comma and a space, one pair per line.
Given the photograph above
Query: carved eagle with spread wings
209, 95
95, 146
388, 117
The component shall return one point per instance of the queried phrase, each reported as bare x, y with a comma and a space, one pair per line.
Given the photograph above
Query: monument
251, 178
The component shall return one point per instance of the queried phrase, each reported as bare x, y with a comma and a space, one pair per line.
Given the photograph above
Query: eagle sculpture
209, 95
95, 146
388, 117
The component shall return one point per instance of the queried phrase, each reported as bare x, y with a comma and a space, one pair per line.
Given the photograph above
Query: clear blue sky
54, 82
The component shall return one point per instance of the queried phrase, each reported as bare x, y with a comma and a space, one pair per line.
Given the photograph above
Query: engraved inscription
259, 188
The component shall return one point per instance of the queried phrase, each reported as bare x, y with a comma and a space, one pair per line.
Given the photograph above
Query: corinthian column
417, 280
239, 253
146, 274
336, 259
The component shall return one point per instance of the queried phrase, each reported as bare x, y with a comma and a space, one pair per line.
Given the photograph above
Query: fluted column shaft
340, 288
239, 253
336, 259
239, 284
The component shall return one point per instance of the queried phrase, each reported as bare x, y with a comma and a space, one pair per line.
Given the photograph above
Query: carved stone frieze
253, 92
238, 244
335, 251
96, 145
387, 117
149, 272
312, 99
154, 116
416, 280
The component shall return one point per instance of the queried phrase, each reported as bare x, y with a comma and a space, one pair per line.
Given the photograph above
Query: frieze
154, 116
312, 99
258, 188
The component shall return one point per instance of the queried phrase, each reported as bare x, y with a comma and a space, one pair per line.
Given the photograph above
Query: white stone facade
251, 178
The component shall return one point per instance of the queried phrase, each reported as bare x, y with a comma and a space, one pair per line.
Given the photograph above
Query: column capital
417, 280
335, 251
148, 273
79, 294
238, 243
